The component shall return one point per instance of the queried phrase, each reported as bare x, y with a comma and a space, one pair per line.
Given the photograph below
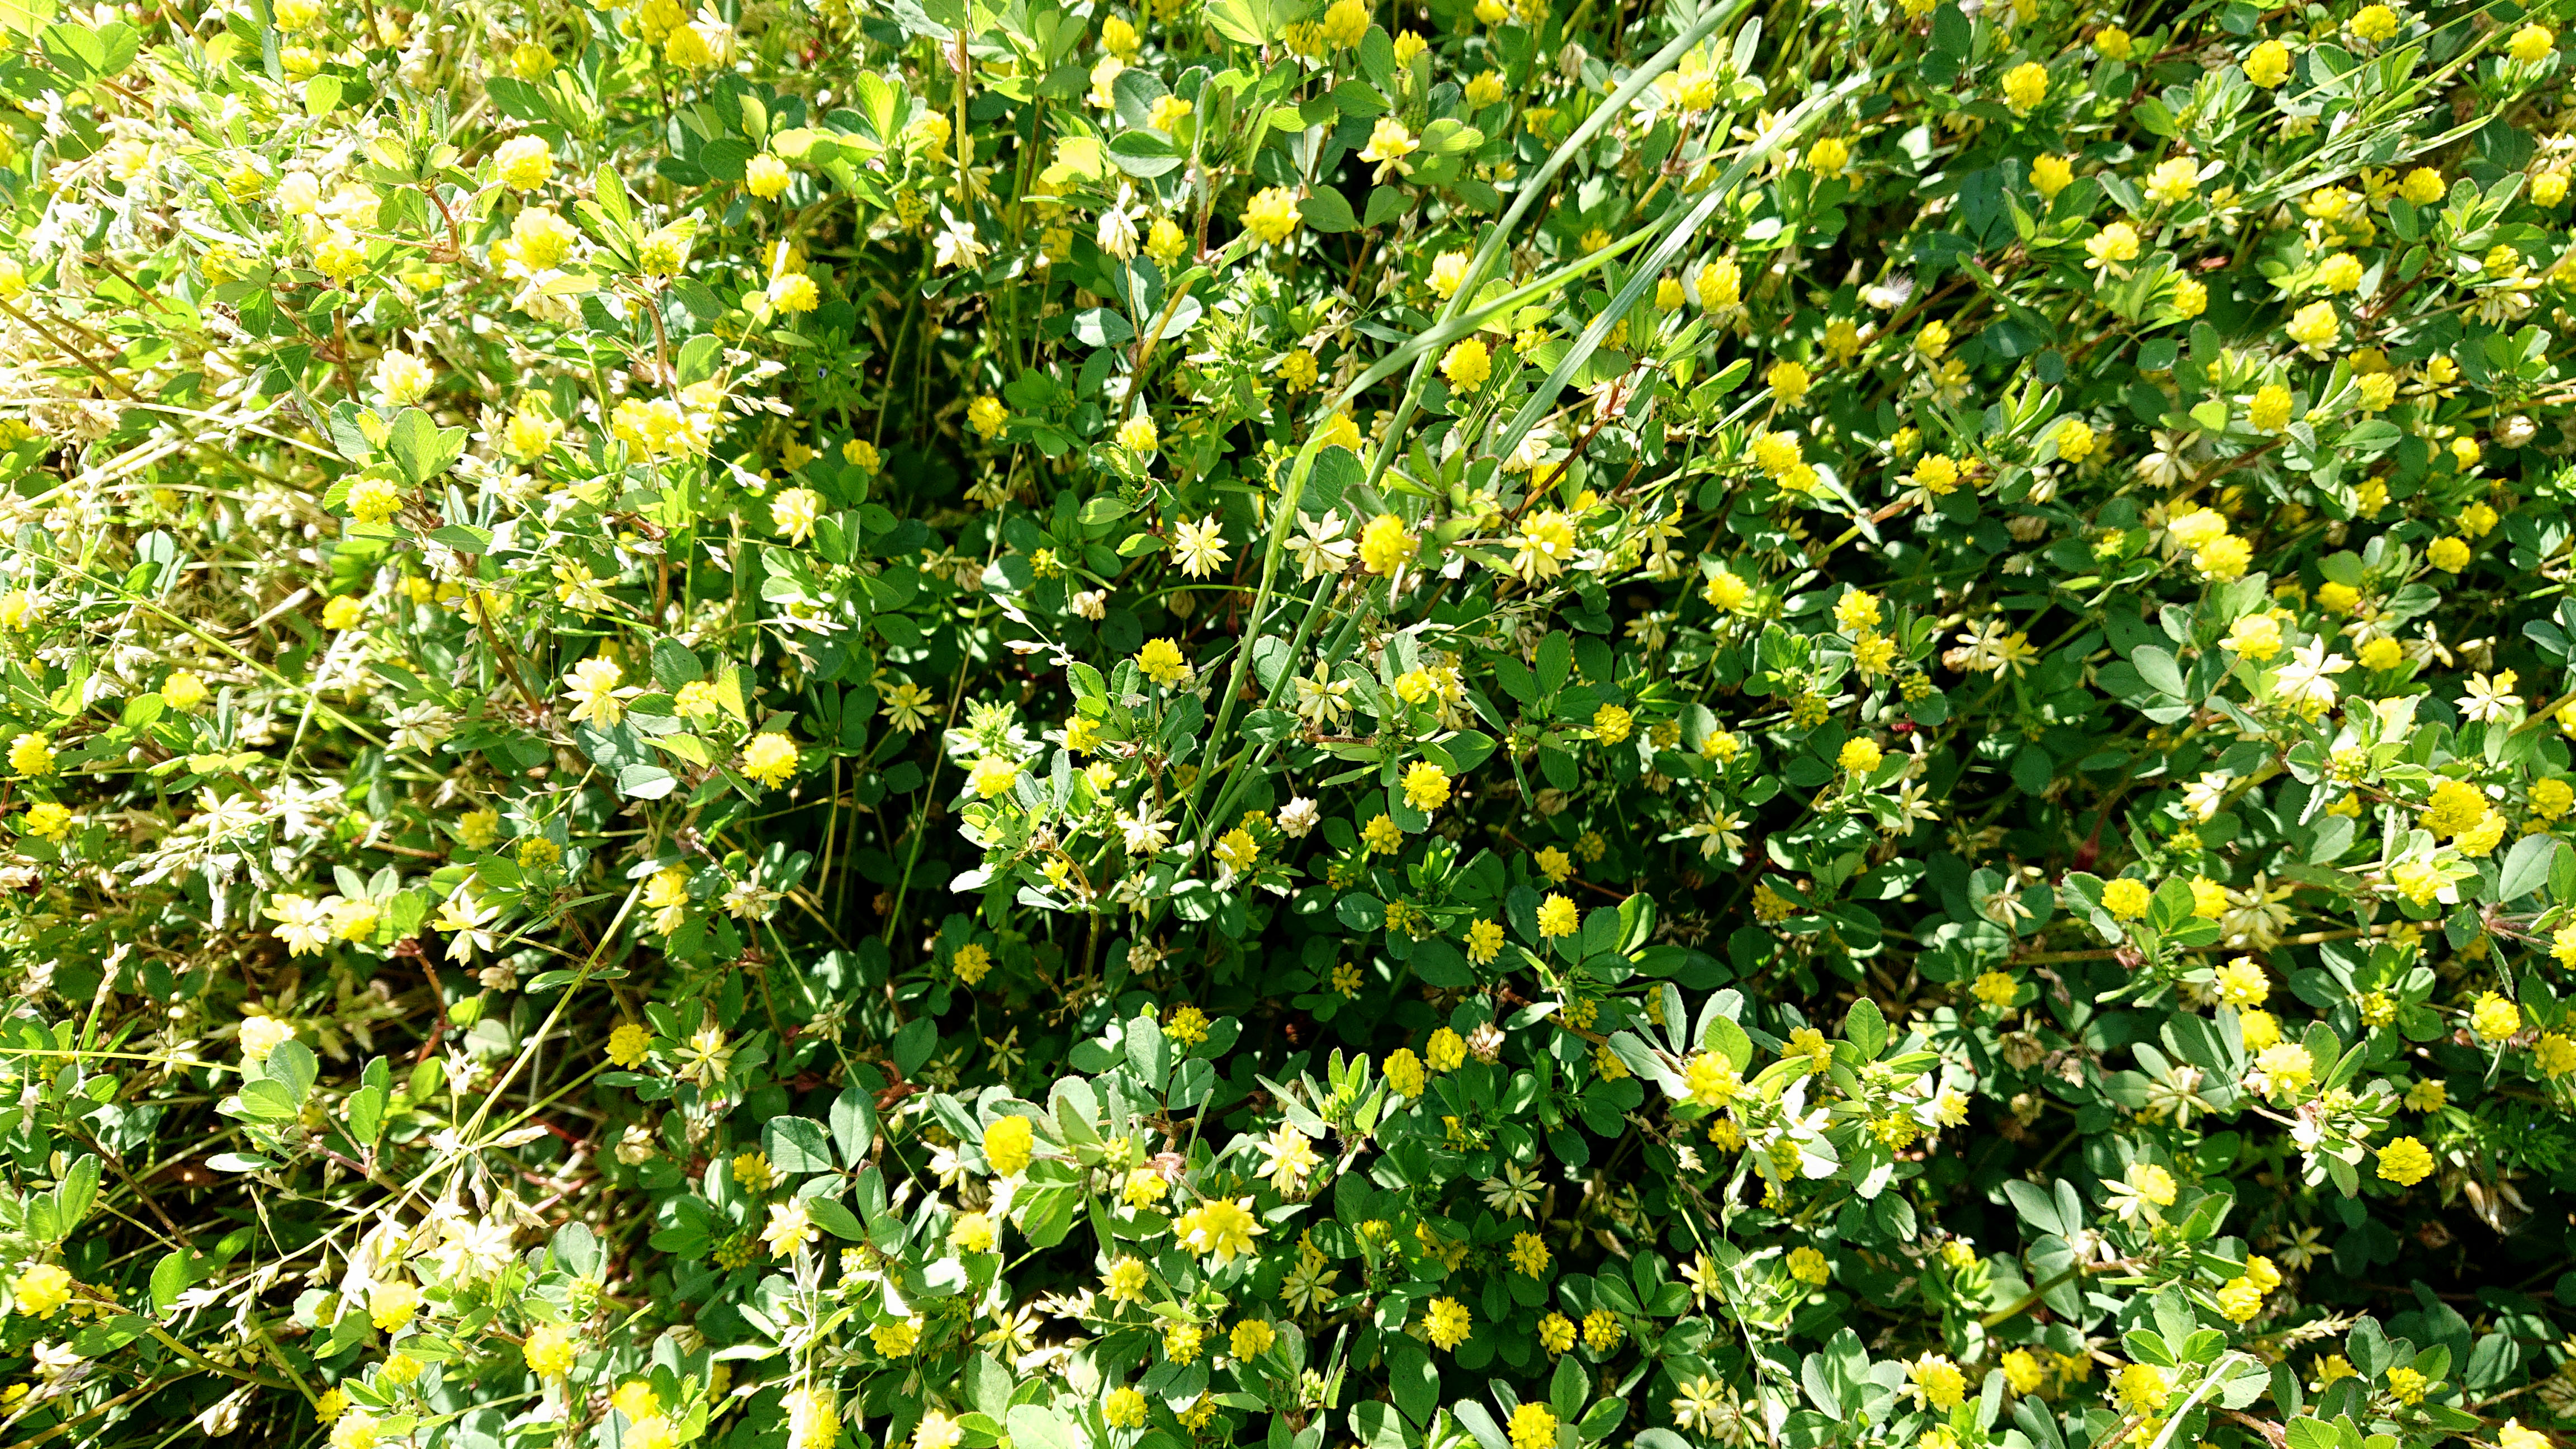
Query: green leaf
1327, 211
796, 1144
2527, 867
2156, 666
421, 448
1866, 1028
1036, 1426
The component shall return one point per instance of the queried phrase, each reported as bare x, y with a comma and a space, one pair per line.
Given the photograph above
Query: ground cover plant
1502, 723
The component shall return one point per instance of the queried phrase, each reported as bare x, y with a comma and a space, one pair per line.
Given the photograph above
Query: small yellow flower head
2025, 86
1995, 989
2113, 43
1382, 835
1941, 1381
766, 177
987, 415
2240, 1300
2268, 64
1385, 546
2495, 1018
1829, 156
1612, 724
1467, 364
1007, 1144
2269, 412
2450, 554
1484, 942
1426, 786
2126, 898
2554, 1054
769, 758
1272, 215
629, 1044
2407, 1385
1404, 1071
1124, 1408
1162, 662
793, 292
1788, 382
524, 163
1859, 755
1557, 917
2315, 325
549, 1350
2142, 1388
1448, 1322
41, 1290
2374, 23
1556, 1333
1533, 1426
31, 756
2405, 1162
2152, 1183
2050, 175
2242, 983
992, 777
2287, 1067
1810, 1267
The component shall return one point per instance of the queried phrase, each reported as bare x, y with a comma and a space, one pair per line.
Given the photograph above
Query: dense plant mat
1101, 728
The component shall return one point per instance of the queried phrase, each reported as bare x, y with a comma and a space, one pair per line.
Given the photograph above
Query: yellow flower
1385, 546
1447, 1051
971, 1233
1272, 215
766, 177
2268, 64
1123, 1409
549, 1350
2242, 984
524, 163
1556, 1333
1943, 1385
1484, 941
1533, 1427
2025, 86
1995, 988
2288, 1067
1448, 1322
1007, 1144
629, 1044
1611, 724
41, 1290
1859, 755
1467, 364
2142, 1388
1382, 836
2126, 898
1426, 786
769, 758
1404, 1071
1162, 662
2240, 1300
2405, 1162
2494, 1017
1218, 1228
1557, 917
2555, 1054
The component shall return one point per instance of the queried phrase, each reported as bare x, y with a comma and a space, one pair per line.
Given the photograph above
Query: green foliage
1099, 729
